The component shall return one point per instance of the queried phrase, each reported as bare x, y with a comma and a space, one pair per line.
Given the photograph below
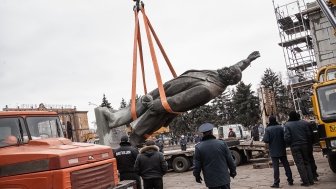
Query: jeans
288, 171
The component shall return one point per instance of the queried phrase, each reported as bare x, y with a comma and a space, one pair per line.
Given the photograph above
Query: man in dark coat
126, 156
214, 159
231, 134
255, 132
190, 90
274, 137
151, 166
298, 136
183, 143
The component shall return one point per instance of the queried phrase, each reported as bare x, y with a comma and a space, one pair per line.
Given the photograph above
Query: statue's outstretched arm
245, 63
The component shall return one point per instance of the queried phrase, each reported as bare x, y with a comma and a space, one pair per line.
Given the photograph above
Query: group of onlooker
298, 135
150, 165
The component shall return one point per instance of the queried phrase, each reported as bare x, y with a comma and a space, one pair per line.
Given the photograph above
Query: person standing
126, 156
183, 143
255, 132
274, 137
231, 133
159, 143
298, 136
214, 159
151, 166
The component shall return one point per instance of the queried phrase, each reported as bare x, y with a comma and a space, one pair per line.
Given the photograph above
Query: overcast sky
71, 52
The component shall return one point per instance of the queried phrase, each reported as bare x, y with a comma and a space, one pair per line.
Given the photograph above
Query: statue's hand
254, 55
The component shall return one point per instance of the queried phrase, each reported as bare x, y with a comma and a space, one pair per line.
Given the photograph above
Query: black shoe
290, 183
305, 184
275, 186
315, 179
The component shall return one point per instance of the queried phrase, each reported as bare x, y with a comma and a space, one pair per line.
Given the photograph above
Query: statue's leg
147, 124
123, 116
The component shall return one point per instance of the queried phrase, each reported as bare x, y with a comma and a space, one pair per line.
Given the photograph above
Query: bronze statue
190, 90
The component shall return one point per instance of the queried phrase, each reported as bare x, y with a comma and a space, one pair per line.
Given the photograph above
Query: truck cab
35, 155
324, 106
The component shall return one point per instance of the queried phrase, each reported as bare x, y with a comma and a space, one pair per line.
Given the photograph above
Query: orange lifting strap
137, 43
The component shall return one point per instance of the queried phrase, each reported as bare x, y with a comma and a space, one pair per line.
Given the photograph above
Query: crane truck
35, 155
324, 106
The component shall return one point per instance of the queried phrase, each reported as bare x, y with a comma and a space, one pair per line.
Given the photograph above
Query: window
44, 127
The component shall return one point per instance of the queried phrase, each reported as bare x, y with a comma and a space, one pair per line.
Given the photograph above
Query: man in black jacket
274, 137
151, 166
126, 156
214, 159
298, 136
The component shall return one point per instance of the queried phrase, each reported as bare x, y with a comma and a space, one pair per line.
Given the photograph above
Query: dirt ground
249, 178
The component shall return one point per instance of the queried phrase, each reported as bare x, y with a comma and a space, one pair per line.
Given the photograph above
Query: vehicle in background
241, 132
35, 155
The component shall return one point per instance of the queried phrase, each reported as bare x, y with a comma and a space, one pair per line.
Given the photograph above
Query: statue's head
230, 75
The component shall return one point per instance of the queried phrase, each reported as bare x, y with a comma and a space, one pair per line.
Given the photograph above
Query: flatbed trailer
242, 152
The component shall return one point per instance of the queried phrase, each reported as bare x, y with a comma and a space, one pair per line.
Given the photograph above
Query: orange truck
35, 155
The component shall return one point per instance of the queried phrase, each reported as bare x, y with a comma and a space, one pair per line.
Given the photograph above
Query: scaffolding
297, 45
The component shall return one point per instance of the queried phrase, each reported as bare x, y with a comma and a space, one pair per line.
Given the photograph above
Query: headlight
333, 143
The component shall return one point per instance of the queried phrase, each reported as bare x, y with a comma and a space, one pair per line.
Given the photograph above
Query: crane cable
137, 43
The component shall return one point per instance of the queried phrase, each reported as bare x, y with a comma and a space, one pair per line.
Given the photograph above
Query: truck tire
180, 164
236, 157
332, 161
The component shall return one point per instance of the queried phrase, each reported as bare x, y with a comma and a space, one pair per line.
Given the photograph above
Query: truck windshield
327, 102
12, 131
44, 127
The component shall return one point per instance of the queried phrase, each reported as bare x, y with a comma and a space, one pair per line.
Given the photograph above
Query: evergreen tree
105, 102
246, 105
223, 109
123, 103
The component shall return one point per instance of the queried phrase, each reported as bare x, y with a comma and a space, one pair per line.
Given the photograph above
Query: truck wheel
332, 161
180, 164
236, 157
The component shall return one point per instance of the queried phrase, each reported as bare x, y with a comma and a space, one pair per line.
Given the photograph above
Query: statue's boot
124, 116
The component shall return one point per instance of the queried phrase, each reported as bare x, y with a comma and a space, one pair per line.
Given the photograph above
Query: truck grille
100, 177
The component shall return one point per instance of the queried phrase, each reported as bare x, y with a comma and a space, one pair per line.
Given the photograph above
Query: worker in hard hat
213, 158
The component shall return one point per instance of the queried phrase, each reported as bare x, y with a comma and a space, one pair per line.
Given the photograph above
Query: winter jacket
150, 163
214, 159
297, 133
126, 156
274, 136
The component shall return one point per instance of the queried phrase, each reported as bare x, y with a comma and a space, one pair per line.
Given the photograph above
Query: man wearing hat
151, 166
214, 159
298, 137
126, 155
274, 137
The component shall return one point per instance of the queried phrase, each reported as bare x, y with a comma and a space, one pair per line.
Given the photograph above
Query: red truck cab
35, 155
